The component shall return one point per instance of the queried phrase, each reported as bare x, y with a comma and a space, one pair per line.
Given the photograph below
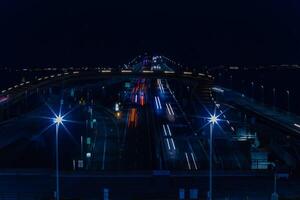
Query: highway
156, 130
143, 125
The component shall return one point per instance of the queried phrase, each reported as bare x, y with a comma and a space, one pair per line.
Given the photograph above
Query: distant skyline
111, 33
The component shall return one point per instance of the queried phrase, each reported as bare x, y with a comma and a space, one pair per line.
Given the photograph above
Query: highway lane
106, 141
174, 130
137, 151
226, 155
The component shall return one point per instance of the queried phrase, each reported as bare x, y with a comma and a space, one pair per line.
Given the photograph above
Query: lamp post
57, 120
252, 90
262, 93
274, 194
274, 97
288, 100
212, 120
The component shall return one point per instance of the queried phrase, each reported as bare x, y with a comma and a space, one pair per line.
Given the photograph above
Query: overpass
17, 95
13, 93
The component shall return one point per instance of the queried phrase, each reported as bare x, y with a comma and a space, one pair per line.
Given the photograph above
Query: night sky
112, 32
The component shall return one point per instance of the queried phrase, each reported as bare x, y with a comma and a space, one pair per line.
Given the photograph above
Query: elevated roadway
285, 120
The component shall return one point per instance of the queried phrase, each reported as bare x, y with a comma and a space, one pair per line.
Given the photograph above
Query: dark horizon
112, 33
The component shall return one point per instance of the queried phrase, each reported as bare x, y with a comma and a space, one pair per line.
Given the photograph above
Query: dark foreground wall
141, 185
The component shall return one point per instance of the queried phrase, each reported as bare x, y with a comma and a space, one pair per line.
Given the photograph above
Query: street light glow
213, 119
58, 119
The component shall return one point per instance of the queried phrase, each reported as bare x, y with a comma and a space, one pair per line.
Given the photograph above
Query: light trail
194, 161
216, 89
169, 109
160, 86
142, 100
169, 130
168, 144
156, 103
173, 144
188, 161
165, 132
135, 99
169, 140
297, 125
159, 104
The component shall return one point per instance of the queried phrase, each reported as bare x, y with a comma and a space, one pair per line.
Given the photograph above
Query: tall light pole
252, 90
212, 120
274, 194
57, 120
262, 93
288, 100
274, 97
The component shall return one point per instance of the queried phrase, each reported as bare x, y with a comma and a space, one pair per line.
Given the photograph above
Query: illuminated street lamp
212, 120
57, 120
